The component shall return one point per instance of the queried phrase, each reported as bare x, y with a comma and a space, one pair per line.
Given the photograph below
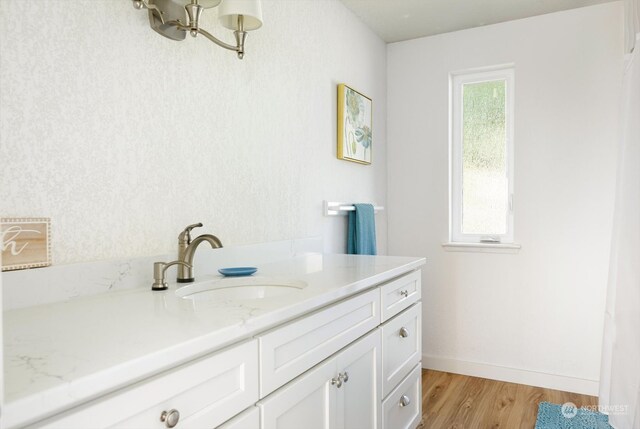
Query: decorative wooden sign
25, 243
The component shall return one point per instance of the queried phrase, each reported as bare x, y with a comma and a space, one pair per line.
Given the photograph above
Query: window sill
482, 247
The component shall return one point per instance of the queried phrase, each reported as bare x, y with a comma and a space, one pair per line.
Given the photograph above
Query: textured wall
123, 137
540, 310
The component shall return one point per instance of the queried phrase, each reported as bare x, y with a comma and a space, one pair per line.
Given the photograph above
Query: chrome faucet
187, 248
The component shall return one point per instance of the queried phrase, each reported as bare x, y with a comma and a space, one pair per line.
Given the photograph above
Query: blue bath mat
567, 416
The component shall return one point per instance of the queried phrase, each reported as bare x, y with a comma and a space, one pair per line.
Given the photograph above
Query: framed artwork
354, 125
25, 243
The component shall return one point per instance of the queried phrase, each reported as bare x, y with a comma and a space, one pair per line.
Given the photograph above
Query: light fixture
175, 18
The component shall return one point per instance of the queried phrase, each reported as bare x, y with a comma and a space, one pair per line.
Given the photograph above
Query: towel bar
333, 208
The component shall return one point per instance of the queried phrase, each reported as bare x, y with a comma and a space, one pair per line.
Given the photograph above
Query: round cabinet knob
404, 293
337, 381
404, 401
404, 333
170, 418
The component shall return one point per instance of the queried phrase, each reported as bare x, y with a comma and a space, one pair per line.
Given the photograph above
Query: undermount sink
240, 288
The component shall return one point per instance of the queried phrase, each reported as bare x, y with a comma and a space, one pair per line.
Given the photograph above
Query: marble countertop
62, 354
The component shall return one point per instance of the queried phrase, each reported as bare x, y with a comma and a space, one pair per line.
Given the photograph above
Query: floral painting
354, 125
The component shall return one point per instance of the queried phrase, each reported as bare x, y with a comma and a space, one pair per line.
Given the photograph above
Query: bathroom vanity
336, 345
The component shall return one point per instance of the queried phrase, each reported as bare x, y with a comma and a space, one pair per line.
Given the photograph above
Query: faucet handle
159, 268
185, 235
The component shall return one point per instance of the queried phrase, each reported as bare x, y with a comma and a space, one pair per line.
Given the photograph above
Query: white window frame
456, 82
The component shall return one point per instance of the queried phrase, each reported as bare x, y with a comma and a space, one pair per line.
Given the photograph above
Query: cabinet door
308, 402
359, 396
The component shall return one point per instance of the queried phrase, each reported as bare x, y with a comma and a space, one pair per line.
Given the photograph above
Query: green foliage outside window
484, 144
484, 158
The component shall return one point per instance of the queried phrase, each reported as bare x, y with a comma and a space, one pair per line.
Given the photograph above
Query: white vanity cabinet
352, 364
342, 392
383, 387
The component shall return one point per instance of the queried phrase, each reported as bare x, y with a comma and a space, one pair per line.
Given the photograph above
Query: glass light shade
250, 9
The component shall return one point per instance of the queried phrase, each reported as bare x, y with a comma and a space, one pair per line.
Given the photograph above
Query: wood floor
461, 402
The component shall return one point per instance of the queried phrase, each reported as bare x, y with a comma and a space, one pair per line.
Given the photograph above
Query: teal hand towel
361, 235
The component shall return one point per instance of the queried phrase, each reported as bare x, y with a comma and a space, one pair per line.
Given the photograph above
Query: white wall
535, 316
123, 137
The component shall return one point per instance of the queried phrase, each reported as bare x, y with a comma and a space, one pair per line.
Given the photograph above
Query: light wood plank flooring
457, 401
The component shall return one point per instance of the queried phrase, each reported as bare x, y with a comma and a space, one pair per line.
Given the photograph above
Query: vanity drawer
403, 407
401, 346
290, 350
400, 294
206, 393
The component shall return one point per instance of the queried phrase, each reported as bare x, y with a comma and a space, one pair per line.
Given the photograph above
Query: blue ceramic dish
237, 271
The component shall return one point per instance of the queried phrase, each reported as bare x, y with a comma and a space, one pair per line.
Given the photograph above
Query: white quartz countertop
62, 354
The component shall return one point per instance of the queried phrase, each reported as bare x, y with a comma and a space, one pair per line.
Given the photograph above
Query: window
482, 156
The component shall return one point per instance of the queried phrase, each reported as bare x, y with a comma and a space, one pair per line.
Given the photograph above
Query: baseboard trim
512, 375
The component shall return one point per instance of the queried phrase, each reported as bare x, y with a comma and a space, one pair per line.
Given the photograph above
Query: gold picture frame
355, 116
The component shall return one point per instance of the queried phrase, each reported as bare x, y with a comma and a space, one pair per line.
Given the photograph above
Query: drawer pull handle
404, 333
404, 401
404, 293
337, 381
341, 378
170, 418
